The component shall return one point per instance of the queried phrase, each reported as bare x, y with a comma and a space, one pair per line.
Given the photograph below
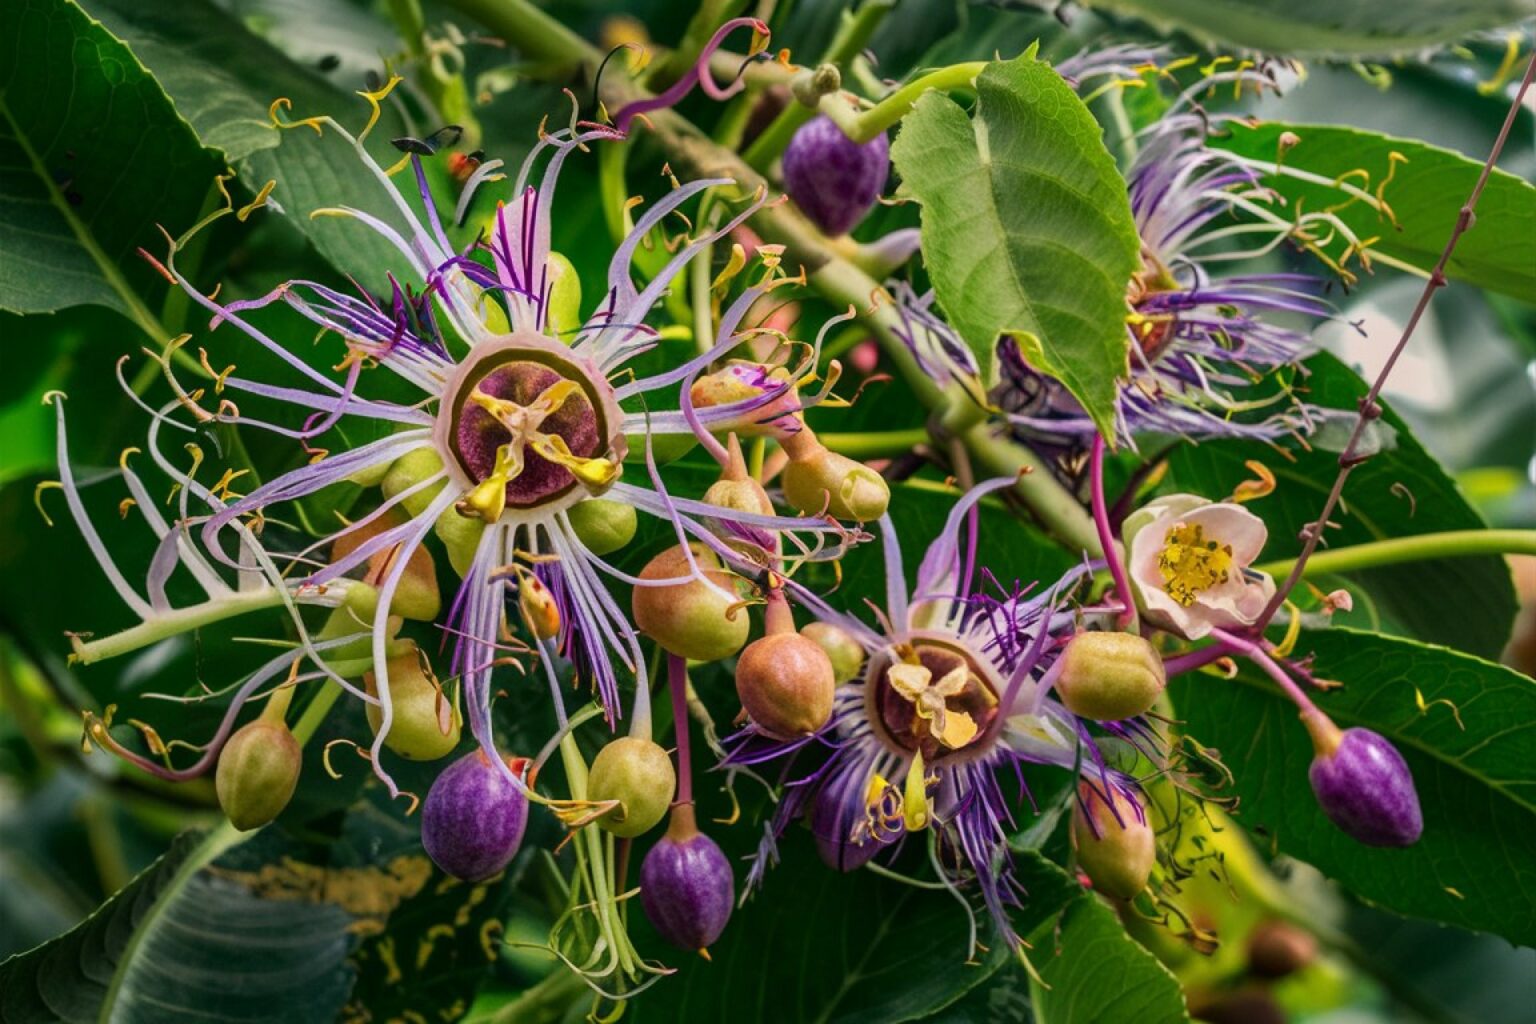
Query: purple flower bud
834, 180
686, 885
1364, 786
473, 818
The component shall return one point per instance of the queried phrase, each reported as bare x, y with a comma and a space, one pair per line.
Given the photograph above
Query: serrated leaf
1026, 226
92, 156
1099, 973
1360, 28
1399, 492
1471, 748
1425, 191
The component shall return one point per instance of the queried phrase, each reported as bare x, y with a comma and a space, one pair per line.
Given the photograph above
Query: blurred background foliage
336, 912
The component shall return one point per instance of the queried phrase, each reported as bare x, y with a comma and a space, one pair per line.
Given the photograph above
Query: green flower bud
638, 774
604, 526
665, 448
563, 315
690, 618
425, 723
1108, 677
1117, 856
409, 470
460, 535
845, 653
746, 495
845, 488
258, 771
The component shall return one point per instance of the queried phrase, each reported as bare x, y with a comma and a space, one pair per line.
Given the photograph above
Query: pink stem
1106, 534
699, 73
1192, 660
1260, 657
677, 682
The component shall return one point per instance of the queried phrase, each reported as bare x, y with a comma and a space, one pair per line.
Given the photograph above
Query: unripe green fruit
845, 488
1118, 856
1109, 677
786, 684
425, 724
409, 470
258, 770
689, 618
604, 526
460, 535
665, 448
563, 315
745, 495
638, 774
416, 595
845, 653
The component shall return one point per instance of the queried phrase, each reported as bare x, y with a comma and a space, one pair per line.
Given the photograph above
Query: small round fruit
1364, 786
638, 774
424, 724
845, 653
1111, 676
1117, 854
834, 180
603, 525
690, 618
686, 886
786, 684
257, 773
473, 818
846, 489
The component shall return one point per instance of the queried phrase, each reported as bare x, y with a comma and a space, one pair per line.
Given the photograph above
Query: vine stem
1370, 409
1106, 533
862, 126
1421, 547
677, 682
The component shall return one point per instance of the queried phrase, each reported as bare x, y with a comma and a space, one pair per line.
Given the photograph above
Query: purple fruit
834, 180
473, 818
1364, 786
686, 885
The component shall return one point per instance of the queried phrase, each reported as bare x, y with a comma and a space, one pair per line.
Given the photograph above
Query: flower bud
473, 818
786, 684
603, 525
416, 595
563, 313
537, 606
257, 773
1109, 677
460, 535
834, 180
1116, 853
845, 653
744, 495
638, 774
424, 724
691, 618
686, 886
769, 393
844, 488
408, 471
1363, 784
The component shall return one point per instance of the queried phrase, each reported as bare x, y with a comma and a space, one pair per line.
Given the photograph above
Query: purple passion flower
473, 818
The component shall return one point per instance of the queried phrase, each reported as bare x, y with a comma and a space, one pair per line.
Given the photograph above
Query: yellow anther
257, 203
733, 266
1251, 490
373, 97
37, 497
1189, 563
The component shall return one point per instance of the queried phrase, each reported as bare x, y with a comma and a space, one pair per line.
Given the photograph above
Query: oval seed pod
690, 618
1116, 853
424, 724
834, 180
637, 773
1363, 784
473, 818
786, 684
686, 885
257, 773
1111, 676
603, 525
845, 653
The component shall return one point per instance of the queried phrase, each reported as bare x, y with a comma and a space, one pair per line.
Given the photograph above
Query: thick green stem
173, 623
535, 33
875, 444
864, 125
1425, 546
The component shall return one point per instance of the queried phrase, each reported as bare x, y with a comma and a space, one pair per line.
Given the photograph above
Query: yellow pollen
1189, 563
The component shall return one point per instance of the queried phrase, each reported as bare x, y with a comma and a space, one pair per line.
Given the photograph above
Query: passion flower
694, 616
473, 818
1363, 784
1115, 845
258, 771
834, 180
686, 886
639, 775
1110, 676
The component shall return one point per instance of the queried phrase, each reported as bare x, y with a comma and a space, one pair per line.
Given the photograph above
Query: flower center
931, 698
526, 422
1190, 564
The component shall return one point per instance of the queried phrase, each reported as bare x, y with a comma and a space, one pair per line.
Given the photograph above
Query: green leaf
1399, 492
1425, 193
817, 945
1099, 973
1323, 27
224, 79
1026, 226
1475, 866
92, 157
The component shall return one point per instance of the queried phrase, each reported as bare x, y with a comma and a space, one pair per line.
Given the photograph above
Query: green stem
862, 126
875, 444
176, 622
535, 33
1423, 547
